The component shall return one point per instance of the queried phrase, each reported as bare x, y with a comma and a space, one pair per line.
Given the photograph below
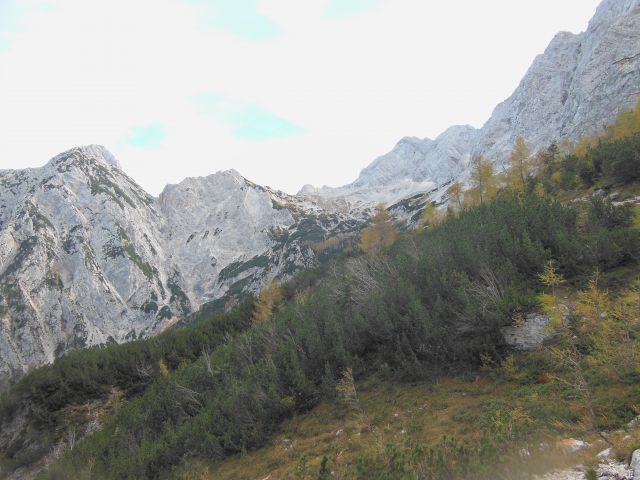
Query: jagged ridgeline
89, 258
428, 304
578, 84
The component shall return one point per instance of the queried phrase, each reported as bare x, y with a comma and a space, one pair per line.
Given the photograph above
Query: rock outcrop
635, 464
80, 259
580, 83
528, 336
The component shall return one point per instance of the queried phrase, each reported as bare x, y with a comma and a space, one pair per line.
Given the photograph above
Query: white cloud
90, 72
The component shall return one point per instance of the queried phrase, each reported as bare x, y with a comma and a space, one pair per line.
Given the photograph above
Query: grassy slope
513, 411
520, 407
423, 414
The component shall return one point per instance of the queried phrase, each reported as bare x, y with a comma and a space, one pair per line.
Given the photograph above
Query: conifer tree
570, 336
520, 166
455, 193
483, 178
606, 329
268, 299
627, 123
431, 216
346, 390
348, 395
380, 234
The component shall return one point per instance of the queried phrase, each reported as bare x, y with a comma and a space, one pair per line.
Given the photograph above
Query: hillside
468, 308
421, 307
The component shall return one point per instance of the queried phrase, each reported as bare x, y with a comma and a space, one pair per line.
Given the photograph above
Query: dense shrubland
45, 394
412, 306
604, 164
430, 304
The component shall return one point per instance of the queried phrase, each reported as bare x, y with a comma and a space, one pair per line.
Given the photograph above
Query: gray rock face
579, 84
530, 335
226, 232
80, 258
416, 160
635, 464
87, 257
413, 166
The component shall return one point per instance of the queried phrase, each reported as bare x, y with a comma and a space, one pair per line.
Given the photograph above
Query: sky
287, 92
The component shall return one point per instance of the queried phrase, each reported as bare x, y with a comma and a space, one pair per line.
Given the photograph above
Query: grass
526, 420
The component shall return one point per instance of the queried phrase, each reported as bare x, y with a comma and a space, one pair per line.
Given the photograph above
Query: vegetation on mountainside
500, 422
607, 158
428, 306
45, 394
483, 180
380, 234
415, 306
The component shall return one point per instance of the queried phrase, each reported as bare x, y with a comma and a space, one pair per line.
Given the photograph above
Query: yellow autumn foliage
483, 180
381, 233
267, 301
520, 165
431, 216
456, 193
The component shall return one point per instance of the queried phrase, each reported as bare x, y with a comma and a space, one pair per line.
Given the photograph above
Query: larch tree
483, 178
607, 329
627, 123
347, 394
520, 164
587, 142
431, 216
589, 337
565, 350
381, 233
268, 299
455, 193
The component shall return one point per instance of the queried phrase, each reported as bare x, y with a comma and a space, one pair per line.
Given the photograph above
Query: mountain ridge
87, 257
579, 83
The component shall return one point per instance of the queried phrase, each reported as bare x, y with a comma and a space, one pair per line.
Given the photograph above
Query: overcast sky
287, 92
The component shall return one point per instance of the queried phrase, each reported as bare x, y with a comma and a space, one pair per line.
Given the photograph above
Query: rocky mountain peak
88, 153
559, 40
87, 257
222, 179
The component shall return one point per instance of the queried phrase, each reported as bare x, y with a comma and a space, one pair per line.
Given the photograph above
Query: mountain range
87, 257
579, 84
